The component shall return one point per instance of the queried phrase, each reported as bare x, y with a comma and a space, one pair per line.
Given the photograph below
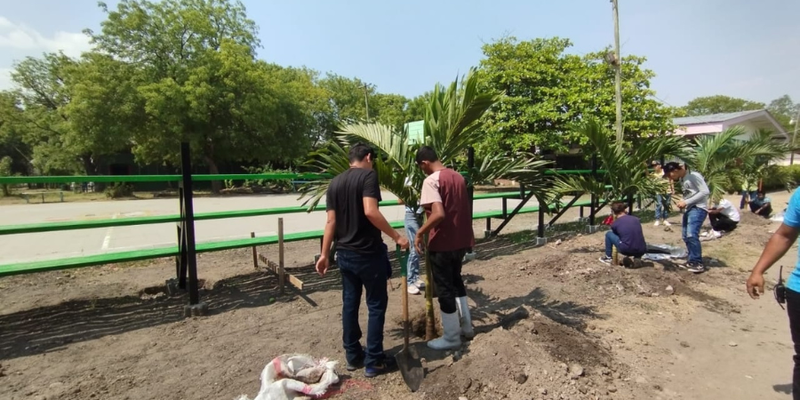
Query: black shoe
355, 366
386, 365
696, 268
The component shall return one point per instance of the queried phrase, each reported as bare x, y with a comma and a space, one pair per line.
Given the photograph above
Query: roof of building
712, 118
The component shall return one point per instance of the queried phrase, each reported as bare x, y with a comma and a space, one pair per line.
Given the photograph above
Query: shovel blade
410, 367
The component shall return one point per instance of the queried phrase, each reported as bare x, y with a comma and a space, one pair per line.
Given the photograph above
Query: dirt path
552, 323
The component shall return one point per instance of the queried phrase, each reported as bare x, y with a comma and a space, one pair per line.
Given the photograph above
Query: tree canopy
720, 104
548, 90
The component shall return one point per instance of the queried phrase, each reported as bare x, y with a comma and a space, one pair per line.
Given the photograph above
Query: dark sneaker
682, 265
354, 366
627, 262
386, 365
605, 260
696, 268
637, 262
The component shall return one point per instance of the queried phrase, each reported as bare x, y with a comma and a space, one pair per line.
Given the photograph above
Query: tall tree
197, 80
44, 96
784, 110
720, 104
548, 90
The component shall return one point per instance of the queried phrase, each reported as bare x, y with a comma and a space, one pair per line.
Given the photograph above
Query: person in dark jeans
355, 222
626, 235
780, 242
761, 205
695, 206
446, 202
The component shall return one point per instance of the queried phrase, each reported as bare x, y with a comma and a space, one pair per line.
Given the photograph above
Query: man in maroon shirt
446, 202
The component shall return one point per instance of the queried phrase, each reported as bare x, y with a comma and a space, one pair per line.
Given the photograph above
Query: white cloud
18, 36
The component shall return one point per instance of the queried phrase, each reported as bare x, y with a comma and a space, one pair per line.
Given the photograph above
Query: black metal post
564, 209
540, 229
593, 200
505, 207
188, 223
470, 183
630, 204
182, 246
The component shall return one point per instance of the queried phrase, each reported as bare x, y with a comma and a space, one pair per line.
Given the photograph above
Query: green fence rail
162, 219
18, 180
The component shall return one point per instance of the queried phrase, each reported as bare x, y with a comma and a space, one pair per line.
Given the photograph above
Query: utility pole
366, 100
794, 136
618, 67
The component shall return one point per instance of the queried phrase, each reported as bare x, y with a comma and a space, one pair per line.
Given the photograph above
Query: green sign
415, 131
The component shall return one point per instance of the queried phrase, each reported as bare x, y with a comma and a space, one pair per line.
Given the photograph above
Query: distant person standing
411, 224
695, 206
446, 202
355, 222
781, 241
662, 199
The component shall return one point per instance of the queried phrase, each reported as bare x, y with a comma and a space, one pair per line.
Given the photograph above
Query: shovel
407, 359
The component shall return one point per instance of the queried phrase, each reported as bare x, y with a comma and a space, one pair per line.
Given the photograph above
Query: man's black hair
671, 166
359, 151
426, 153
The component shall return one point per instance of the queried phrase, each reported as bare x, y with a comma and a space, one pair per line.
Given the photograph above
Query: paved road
49, 245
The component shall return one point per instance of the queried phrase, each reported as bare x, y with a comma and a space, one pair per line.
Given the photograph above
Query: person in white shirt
724, 217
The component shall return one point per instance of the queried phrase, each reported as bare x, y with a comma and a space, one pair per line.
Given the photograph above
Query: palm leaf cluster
452, 125
627, 169
726, 160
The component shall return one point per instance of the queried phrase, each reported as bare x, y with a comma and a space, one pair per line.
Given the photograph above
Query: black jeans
721, 222
447, 277
363, 271
764, 213
793, 309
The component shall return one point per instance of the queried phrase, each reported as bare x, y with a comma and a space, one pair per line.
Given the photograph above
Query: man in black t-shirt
356, 223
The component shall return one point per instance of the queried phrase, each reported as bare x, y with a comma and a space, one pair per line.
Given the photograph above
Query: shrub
119, 190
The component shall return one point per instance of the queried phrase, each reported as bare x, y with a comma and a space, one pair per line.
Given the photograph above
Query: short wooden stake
255, 252
281, 271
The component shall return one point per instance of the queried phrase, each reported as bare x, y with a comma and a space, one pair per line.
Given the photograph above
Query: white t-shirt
727, 209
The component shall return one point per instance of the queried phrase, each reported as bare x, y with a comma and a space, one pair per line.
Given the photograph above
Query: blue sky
740, 48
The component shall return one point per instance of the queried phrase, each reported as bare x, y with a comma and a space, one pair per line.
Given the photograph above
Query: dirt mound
535, 356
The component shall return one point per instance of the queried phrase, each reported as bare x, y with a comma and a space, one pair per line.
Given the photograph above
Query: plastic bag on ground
658, 252
295, 377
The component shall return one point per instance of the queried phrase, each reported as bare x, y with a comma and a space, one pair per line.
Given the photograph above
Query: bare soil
552, 323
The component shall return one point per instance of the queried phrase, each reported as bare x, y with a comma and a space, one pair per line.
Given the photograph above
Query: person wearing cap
695, 206
662, 199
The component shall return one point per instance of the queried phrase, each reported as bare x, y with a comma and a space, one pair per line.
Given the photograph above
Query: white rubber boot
466, 318
452, 333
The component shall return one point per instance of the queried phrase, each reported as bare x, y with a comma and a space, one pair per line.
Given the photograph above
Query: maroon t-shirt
455, 231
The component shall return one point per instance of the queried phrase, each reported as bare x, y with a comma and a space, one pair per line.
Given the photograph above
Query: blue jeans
612, 240
363, 271
662, 206
412, 226
692, 222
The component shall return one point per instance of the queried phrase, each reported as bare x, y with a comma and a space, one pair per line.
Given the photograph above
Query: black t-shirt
345, 195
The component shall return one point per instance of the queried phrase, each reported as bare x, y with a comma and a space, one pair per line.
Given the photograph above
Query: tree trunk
216, 186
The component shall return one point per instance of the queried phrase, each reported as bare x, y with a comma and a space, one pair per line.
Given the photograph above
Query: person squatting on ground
411, 225
662, 199
446, 202
723, 217
695, 206
355, 222
761, 205
626, 235
780, 242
